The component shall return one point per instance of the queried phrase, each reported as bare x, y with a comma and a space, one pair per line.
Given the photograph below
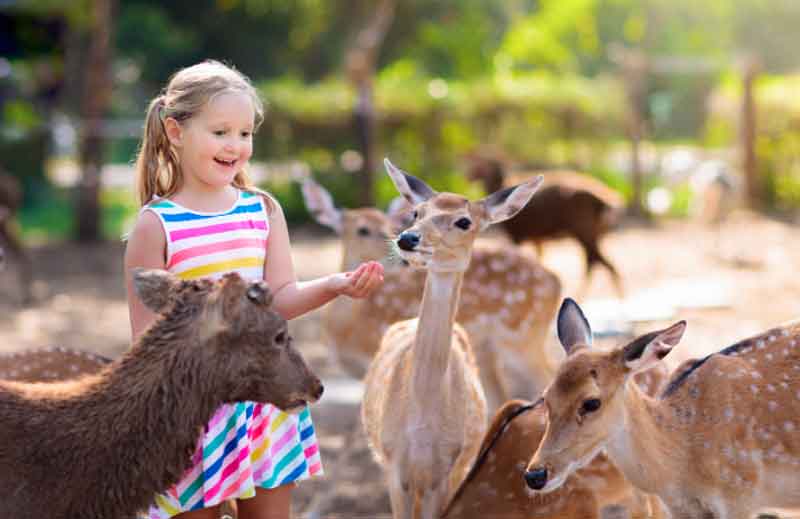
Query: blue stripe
229, 447
186, 217
306, 433
296, 473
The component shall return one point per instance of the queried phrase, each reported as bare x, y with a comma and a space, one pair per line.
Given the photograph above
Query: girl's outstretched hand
360, 282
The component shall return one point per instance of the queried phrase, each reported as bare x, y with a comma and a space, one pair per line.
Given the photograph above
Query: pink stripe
211, 248
316, 467
218, 228
258, 475
229, 469
235, 486
311, 451
258, 431
287, 436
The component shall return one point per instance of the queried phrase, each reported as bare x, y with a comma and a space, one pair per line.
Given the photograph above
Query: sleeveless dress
246, 445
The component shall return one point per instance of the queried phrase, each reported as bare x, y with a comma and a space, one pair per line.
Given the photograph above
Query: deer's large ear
319, 203
153, 287
646, 351
413, 189
573, 328
504, 204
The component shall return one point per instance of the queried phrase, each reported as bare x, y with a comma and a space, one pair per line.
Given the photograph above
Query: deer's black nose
408, 240
536, 479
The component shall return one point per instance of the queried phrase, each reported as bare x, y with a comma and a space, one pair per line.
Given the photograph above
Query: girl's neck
206, 199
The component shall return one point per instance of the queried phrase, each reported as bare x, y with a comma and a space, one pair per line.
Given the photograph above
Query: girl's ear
174, 131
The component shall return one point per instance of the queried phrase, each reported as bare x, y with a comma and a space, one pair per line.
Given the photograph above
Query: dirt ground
727, 286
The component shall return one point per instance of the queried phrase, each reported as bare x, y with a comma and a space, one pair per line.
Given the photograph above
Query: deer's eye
589, 405
463, 223
415, 215
281, 338
363, 231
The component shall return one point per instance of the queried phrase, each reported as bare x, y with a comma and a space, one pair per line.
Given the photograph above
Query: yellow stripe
278, 421
213, 268
165, 505
256, 454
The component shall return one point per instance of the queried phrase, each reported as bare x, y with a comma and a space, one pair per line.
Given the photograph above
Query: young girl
201, 217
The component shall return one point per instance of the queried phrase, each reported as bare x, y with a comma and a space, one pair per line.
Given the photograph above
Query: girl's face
217, 142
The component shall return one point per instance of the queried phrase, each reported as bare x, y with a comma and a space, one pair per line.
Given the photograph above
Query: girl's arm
293, 298
146, 248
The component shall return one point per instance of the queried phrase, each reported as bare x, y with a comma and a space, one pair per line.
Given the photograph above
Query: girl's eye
219, 133
246, 134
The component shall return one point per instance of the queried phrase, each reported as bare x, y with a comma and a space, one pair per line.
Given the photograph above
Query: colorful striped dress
246, 445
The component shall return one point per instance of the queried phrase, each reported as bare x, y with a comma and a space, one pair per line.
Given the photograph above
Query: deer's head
445, 225
235, 331
366, 233
585, 404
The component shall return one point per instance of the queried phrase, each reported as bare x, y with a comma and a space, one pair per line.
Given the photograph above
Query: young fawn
424, 411
103, 445
721, 441
507, 303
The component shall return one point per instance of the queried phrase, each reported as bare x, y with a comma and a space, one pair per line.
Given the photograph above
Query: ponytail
157, 171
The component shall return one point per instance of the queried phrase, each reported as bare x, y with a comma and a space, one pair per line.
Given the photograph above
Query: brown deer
721, 441
10, 244
424, 411
507, 303
103, 445
570, 204
495, 486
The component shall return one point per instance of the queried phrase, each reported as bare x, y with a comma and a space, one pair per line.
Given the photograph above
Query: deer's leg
433, 502
401, 496
14, 247
594, 256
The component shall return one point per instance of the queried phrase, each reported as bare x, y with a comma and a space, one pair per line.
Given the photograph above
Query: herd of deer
445, 352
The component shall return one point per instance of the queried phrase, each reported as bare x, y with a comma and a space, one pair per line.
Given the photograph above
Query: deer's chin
416, 258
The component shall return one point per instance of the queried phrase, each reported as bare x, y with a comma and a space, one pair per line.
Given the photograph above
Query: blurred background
688, 110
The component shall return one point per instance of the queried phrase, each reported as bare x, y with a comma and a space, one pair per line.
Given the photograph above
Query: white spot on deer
772, 405
769, 356
760, 344
785, 352
788, 426
771, 338
754, 389
770, 388
784, 385
728, 413
753, 361
785, 332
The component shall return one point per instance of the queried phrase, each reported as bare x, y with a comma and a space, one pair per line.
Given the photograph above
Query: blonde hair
158, 172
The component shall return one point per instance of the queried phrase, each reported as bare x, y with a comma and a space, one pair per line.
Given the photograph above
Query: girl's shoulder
147, 229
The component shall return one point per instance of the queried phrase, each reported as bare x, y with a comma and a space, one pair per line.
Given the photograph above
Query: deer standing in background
10, 244
49, 364
569, 204
507, 304
722, 441
424, 411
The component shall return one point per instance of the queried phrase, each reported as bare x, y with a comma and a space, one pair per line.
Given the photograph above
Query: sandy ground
726, 286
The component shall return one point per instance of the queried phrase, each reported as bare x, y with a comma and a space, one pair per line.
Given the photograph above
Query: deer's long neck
432, 344
641, 444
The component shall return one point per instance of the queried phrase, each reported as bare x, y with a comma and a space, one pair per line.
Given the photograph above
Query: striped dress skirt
246, 446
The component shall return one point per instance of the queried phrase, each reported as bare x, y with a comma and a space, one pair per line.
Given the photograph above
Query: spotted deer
721, 441
103, 445
49, 364
508, 301
494, 486
424, 410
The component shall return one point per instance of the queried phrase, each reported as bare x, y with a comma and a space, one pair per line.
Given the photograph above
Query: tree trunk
747, 134
94, 106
